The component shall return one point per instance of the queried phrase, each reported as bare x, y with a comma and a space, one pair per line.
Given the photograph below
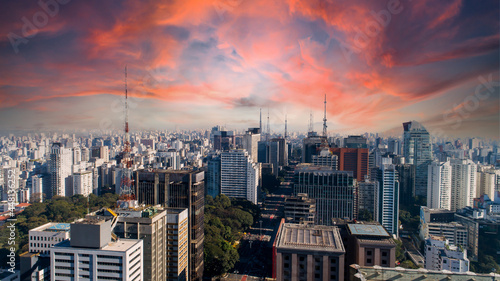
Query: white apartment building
439, 185
82, 183
239, 175
60, 162
463, 183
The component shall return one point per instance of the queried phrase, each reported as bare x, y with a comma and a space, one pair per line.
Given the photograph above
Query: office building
355, 142
333, 191
439, 186
44, 237
251, 140
239, 175
394, 146
91, 255
305, 252
440, 255
300, 209
354, 160
367, 194
440, 222
60, 170
311, 146
212, 176
37, 188
463, 183
177, 229
417, 150
223, 140
149, 225
406, 174
185, 189
326, 159
100, 152
369, 245
83, 183
387, 198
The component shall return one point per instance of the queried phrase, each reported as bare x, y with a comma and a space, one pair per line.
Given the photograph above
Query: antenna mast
260, 121
286, 131
311, 121
324, 121
268, 126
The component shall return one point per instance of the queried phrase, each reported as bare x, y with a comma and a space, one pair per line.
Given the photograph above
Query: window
368, 260
369, 252
384, 254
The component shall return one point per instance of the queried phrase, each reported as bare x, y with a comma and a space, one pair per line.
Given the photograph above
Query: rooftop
307, 237
121, 245
368, 230
53, 227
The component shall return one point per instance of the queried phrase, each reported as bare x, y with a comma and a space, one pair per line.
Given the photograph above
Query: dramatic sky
195, 64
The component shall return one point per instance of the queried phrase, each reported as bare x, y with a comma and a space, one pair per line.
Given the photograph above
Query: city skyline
206, 63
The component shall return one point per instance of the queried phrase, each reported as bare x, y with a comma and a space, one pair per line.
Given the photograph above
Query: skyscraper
212, 177
333, 190
251, 141
439, 186
326, 158
387, 211
60, 170
417, 150
82, 183
406, 175
311, 145
354, 160
178, 189
239, 175
463, 183
367, 191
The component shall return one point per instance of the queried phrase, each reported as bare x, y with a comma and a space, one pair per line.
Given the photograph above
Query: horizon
195, 64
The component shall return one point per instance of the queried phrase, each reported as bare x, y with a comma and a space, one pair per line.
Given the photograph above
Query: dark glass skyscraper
417, 150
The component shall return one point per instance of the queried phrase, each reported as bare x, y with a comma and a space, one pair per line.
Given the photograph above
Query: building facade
439, 186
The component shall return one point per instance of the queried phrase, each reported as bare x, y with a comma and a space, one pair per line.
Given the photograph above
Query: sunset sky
196, 64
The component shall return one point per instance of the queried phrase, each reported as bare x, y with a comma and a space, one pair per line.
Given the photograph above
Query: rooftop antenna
260, 122
324, 121
286, 131
311, 129
268, 126
126, 177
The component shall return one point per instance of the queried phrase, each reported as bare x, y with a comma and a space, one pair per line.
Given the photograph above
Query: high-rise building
406, 174
463, 183
394, 146
355, 142
486, 183
300, 209
91, 255
303, 252
212, 177
60, 170
239, 175
178, 189
439, 186
417, 150
149, 225
177, 229
37, 188
326, 159
100, 152
354, 160
333, 191
367, 192
311, 146
251, 142
82, 183
387, 198
224, 140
